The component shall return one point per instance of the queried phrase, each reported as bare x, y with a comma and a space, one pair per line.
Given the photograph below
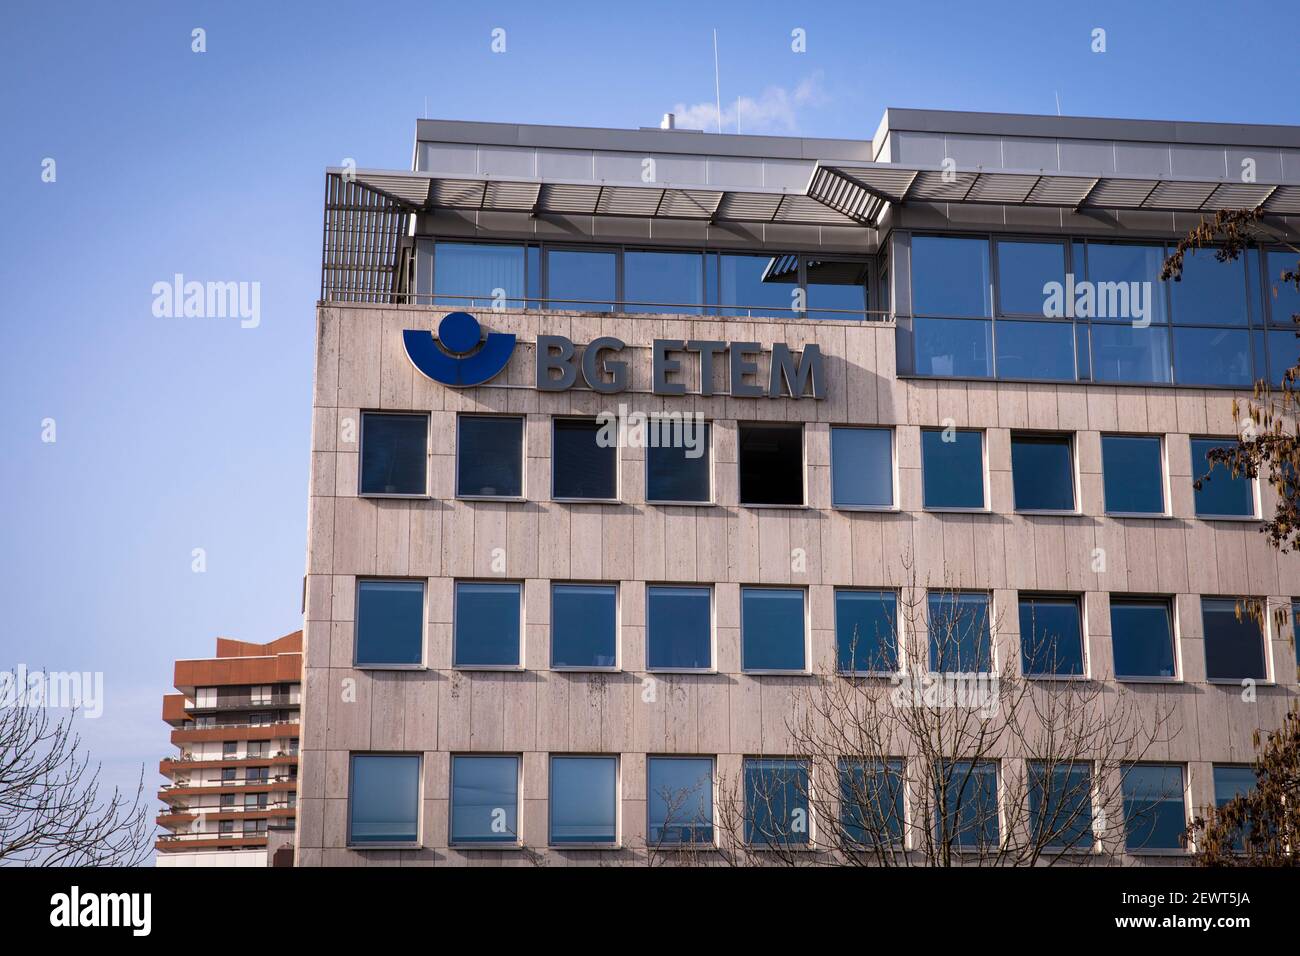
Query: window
254, 827
228, 774
1234, 641
1134, 271
667, 282
837, 289
771, 464
1283, 297
776, 802
866, 627
469, 275
256, 774
1042, 472
1212, 357
581, 280
394, 454
1060, 805
254, 801
679, 468
1023, 269
584, 628
1221, 495
1143, 638
390, 623
226, 827
1210, 292
229, 748
1133, 474
484, 800
584, 461
384, 799
966, 804
772, 629
679, 628
680, 797
862, 467
1041, 351
1229, 783
950, 276
871, 801
953, 348
751, 285
486, 624
489, 456
1051, 638
1154, 816
1124, 353
952, 467
960, 640
584, 800
227, 800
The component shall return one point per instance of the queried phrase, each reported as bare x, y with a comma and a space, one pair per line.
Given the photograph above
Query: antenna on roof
1058, 103
717, 80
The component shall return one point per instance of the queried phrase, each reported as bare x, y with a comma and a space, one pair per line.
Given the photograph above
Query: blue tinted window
866, 624
1113, 270
581, 280
1234, 643
487, 624
837, 289
584, 799
871, 801
1212, 357
1283, 297
484, 799
679, 791
1042, 472
678, 470
1133, 474
1060, 805
390, 623
1024, 268
862, 467
1051, 637
1143, 638
1220, 493
960, 641
679, 628
490, 456
952, 466
1154, 817
960, 348
966, 804
394, 454
583, 464
468, 275
1230, 783
950, 276
1036, 350
772, 629
1283, 354
1210, 292
583, 625
757, 285
1122, 353
776, 801
669, 282
384, 803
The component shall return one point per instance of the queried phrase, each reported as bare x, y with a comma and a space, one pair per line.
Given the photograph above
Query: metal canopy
863, 189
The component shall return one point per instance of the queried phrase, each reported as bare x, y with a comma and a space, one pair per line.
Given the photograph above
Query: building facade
932, 369
235, 725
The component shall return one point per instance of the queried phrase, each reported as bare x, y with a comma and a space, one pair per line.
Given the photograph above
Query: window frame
1045, 437
423, 663
712, 499
809, 799
986, 508
1080, 606
1124, 800
614, 668
523, 457
1166, 492
452, 842
888, 765
990, 618
1266, 679
807, 630
714, 828
711, 591
1170, 604
892, 431
1254, 516
419, 801
618, 465
899, 657
551, 842
523, 630
803, 463
361, 454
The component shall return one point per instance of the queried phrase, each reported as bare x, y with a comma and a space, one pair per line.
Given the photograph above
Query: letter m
795, 376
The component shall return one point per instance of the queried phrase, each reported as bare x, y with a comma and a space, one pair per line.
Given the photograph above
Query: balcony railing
226, 703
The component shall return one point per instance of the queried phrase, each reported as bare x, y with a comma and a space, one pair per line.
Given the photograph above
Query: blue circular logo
459, 332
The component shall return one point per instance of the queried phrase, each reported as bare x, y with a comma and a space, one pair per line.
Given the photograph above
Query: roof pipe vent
668, 122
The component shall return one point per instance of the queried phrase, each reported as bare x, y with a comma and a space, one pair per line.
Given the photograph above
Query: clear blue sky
175, 434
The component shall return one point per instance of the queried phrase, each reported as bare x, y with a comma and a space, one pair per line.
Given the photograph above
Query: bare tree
950, 747
51, 811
